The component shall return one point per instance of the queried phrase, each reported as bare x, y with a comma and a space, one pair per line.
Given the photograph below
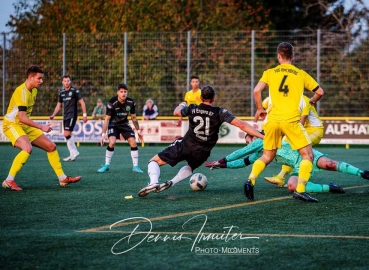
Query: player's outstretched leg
248, 188
153, 170
303, 196
365, 174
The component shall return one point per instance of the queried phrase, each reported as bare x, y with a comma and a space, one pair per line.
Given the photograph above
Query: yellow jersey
286, 87
21, 100
192, 97
313, 119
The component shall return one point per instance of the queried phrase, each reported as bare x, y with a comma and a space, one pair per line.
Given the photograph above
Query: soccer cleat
137, 169
68, 158
303, 196
365, 174
69, 180
335, 189
12, 185
72, 157
149, 188
104, 168
164, 186
249, 190
275, 180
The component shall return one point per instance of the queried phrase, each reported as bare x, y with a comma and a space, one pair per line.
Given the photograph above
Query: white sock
134, 155
75, 151
108, 156
182, 174
153, 170
62, 177
70, 144
10, 177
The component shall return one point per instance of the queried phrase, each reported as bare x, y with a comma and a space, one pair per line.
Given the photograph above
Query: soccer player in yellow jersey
194, 95
25, 133
286, 87
314, 127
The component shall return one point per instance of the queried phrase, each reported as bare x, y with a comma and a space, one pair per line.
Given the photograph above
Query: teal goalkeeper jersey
285, 155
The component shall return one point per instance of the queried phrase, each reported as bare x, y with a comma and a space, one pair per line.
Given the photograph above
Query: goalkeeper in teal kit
286, 156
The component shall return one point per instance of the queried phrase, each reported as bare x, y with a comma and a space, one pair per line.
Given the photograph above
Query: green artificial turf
46, 226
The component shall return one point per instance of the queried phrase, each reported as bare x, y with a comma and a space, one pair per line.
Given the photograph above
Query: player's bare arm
260, 112
56, 110
104, 135
317, 96
247, 128
83, 106
23, 118
137, 127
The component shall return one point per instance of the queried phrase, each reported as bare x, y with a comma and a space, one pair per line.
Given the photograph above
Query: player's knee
28, 149
50, 147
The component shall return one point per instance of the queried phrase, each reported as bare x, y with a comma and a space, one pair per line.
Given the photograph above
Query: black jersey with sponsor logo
69, 99
204, 124
119, 111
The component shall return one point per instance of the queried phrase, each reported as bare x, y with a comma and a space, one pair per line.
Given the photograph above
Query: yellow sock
285, 170
306, 167
55, 163
18, 162
257, 168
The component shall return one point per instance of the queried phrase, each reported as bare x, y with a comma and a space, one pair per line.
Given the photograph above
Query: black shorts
69, 123
179, 151
126, 131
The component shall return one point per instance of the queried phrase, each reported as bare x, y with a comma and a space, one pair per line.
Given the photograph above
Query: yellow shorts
315, 134
295, 134
13, 132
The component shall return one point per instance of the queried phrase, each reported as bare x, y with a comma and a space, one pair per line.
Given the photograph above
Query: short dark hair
194, 77
33, 70
285, 49
122, 85
67, 76
207, 93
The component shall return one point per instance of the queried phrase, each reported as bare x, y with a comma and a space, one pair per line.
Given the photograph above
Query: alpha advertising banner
166, 131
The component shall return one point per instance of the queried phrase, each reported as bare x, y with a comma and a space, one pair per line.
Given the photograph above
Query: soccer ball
198, 181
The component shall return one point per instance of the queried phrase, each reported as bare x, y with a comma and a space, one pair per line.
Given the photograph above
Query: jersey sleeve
109, 109
20, 99
78, 94
185, 110
60, 99
254, 147
305, 107
265, 77
310, 83
133, 108
226, 116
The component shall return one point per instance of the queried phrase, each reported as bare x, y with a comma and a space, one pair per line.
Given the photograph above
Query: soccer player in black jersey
69, 97
202, 135
116, 124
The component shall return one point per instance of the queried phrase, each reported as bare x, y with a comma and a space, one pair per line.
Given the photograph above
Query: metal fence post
64, 54
125, 57
318, 63
252, 71
188, 59
4, 70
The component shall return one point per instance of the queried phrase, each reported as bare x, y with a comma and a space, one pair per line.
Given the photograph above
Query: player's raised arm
247, 128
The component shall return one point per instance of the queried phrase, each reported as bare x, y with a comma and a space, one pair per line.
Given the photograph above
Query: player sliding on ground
202, 135
287, 156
